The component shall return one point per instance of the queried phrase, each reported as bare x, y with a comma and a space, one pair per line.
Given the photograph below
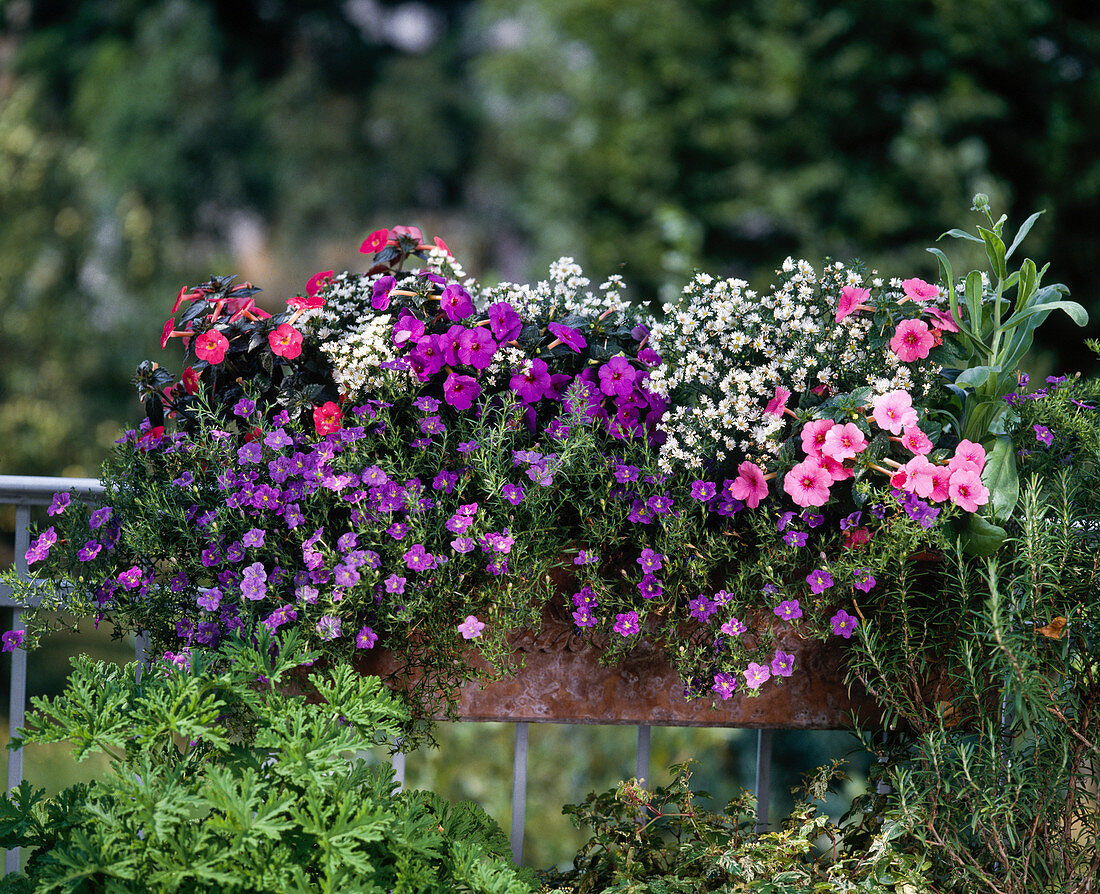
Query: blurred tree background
145, 144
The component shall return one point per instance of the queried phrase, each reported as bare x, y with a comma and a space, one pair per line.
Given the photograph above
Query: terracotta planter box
562, 681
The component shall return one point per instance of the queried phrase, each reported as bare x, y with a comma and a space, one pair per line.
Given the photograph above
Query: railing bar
397, 761
641, 759
17, 693
519, 792
763, 778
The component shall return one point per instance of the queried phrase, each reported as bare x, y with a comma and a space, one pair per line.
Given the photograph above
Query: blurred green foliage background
145, 144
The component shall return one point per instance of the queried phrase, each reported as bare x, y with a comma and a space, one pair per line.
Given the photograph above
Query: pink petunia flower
894, 411
919, 474
968, 455
916, 441
941, 320
813, 436
749, 487
967, 491
941, 480
843, 442
851, 300
778, 404
912, 340
808, 483
918, 290
317, 282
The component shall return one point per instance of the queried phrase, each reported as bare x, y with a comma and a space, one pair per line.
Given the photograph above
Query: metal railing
24, 492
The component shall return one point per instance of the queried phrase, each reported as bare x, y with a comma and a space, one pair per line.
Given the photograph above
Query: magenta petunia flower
476, 348
894, 411
843, 442
569, 336
532, 381
380, 292
408, 328
461, 391
456, 302
504, 321
617, 377
912, 340
967, 491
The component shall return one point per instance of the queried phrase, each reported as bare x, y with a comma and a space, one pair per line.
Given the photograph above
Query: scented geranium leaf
91, 712
243, 803
20, 812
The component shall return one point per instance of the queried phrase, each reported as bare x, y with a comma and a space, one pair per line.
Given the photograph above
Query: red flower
286, 341
185, 295
190, 380
327, 418
306, 303
376, 241
169, 327
439, 243
211, 346
317, 282
409, 233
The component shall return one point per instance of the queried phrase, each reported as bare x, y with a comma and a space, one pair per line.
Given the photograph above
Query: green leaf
1022, 232
1075, 311
995, 251
976, 376
980, 537
956, 233
1001, 478
973, 294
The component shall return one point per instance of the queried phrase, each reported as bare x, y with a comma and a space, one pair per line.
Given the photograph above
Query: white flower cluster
356, 338
566, 292
726, 349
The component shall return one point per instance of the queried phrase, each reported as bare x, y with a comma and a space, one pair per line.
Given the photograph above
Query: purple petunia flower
796, 538
329, 628
626, 624
471, 627
819, 580
756, 675
209, 599
456, 302
253, 538
650, 587
843, 623
703, 490
789, 610
863, 579
724, 685
733, 627
782, 664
